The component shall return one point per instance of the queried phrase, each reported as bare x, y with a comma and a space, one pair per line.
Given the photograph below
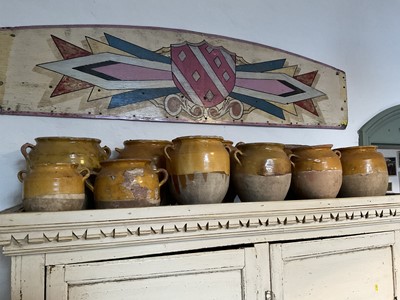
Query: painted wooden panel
158, 74
359, 267
212, 275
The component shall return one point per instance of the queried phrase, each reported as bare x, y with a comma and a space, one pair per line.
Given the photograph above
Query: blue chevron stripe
262, 66
260, 104
139, 95
136, 50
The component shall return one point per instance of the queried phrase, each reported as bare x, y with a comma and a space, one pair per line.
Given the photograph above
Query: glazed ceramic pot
144, 149
128, 183
364, 172
261, 171
54, 187
149, 149
199, 169
86, 152
316, 172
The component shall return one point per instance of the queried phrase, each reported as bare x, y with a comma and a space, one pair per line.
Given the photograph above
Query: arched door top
382, 129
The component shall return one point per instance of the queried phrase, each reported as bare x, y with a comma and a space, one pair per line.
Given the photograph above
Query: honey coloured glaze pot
125, 183
364, 172
261, 171
199, 169
83, 151
153, 150
54, 187
316, 173
145, 149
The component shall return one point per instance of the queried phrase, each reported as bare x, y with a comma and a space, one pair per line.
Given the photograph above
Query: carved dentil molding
52, 232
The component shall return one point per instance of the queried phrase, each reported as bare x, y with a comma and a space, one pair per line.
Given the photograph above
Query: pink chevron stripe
127, 72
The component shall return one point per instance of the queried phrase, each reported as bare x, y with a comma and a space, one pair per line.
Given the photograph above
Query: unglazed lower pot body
199, 169
261, 172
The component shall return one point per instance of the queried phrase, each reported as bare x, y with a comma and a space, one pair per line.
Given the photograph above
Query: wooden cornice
27, 233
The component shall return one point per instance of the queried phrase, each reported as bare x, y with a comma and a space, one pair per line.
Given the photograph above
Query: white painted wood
209, 275
263, 279
341, 268
396, 264
283, 249
56, 287
27, 277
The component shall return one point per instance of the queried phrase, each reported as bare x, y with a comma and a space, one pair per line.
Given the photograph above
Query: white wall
360, 37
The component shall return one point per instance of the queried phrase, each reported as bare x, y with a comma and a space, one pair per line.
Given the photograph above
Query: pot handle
338, 153
239, 143
165, 173
89, 185
235, 153
85, 172
107, 150
290, 158
119, 150
166, 150
24, 151
21, 175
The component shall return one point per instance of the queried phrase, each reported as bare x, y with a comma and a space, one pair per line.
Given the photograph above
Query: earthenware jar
199, 169
128, 183
317, 172
261, 171
54, 187
145, 149
86, 152
364, 172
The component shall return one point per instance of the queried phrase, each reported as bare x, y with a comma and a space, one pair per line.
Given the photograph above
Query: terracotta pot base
316, 184
262, 188
200, 188
361, 185
60, 202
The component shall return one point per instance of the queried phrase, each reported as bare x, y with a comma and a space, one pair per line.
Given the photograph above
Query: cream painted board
357, 267
27, 277
282, 249
208, 275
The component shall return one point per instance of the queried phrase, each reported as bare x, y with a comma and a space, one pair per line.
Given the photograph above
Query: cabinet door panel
359, 267
208, 275
218, 285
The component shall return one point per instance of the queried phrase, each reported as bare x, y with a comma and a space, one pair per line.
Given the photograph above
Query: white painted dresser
310, 249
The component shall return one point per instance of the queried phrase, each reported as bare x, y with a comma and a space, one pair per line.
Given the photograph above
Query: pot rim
280, 145
357, 147
144, 141
67, 138
193, 137
312, 147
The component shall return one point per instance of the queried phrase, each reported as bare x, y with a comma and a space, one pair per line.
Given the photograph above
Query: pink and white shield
203, 73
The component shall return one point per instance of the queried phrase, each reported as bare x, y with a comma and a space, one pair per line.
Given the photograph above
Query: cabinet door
356, 267
209, 275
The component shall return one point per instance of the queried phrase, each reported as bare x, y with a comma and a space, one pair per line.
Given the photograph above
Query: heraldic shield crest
203, 73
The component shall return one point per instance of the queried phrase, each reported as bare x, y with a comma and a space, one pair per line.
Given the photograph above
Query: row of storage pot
69, 173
